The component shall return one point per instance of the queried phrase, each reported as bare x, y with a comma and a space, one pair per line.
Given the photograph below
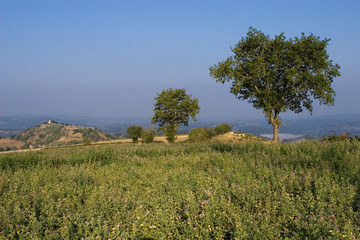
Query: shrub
206, 133
92, 133
86, 141
42, 135
198, 135
223, 128
148, 135
110, 136
210, 132
134, 132
342, 137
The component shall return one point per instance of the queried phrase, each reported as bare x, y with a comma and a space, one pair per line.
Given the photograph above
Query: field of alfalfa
305, 190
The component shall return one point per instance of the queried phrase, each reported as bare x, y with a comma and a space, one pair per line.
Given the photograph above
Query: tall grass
220, 191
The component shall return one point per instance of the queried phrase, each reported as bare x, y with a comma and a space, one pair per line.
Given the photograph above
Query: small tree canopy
223, 128
134, 132
198, 135
210, 132
279, 74
173, 107
148, 135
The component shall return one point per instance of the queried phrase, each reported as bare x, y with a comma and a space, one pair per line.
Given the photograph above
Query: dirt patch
232, 137
180, 138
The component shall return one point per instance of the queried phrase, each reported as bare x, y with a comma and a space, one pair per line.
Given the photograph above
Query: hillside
54, 134
7, 144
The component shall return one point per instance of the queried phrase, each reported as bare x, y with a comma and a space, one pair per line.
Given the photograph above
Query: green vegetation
279, 74
110, 136
134, 132
91, 133
7, 148
173, 107
148, 135
199, 135
254, 190
86, 141
223, 128
341, 137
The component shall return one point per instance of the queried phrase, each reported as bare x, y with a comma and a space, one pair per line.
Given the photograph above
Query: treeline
195, 135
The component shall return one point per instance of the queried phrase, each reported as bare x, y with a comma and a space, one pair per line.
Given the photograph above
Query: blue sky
110, 58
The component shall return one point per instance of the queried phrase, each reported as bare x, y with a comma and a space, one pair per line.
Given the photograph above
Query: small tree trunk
275, 132
170, 131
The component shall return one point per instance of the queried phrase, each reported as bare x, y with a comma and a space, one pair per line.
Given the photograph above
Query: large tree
173, 107
279, 74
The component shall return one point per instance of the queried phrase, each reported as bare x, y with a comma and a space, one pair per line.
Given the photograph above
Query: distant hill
55, 134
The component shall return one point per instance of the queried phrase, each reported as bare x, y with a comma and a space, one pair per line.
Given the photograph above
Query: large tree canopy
173, 107
279, 74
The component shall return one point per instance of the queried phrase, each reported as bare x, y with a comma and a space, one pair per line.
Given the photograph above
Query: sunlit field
308, 189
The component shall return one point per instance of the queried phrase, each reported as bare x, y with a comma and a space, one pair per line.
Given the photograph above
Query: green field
302, 190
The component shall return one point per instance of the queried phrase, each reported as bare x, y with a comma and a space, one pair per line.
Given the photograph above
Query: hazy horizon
111, 58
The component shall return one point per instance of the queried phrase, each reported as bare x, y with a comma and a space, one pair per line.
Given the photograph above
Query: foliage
305, 190
173, 107
170, 132
91, 133
341, 137
148, 135
7, 148
134, 132
223, 128
210, 132
204, 134
198, 135
110, 136
279, 74
86, 141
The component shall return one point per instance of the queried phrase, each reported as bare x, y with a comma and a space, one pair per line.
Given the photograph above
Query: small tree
198, 135
173, 107
134, 132
223, 128
148, 135
210, 132
279, 74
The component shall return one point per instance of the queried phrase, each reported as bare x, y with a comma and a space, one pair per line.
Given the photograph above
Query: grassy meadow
304, 190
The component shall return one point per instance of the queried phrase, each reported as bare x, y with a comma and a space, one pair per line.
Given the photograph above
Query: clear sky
110, 58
